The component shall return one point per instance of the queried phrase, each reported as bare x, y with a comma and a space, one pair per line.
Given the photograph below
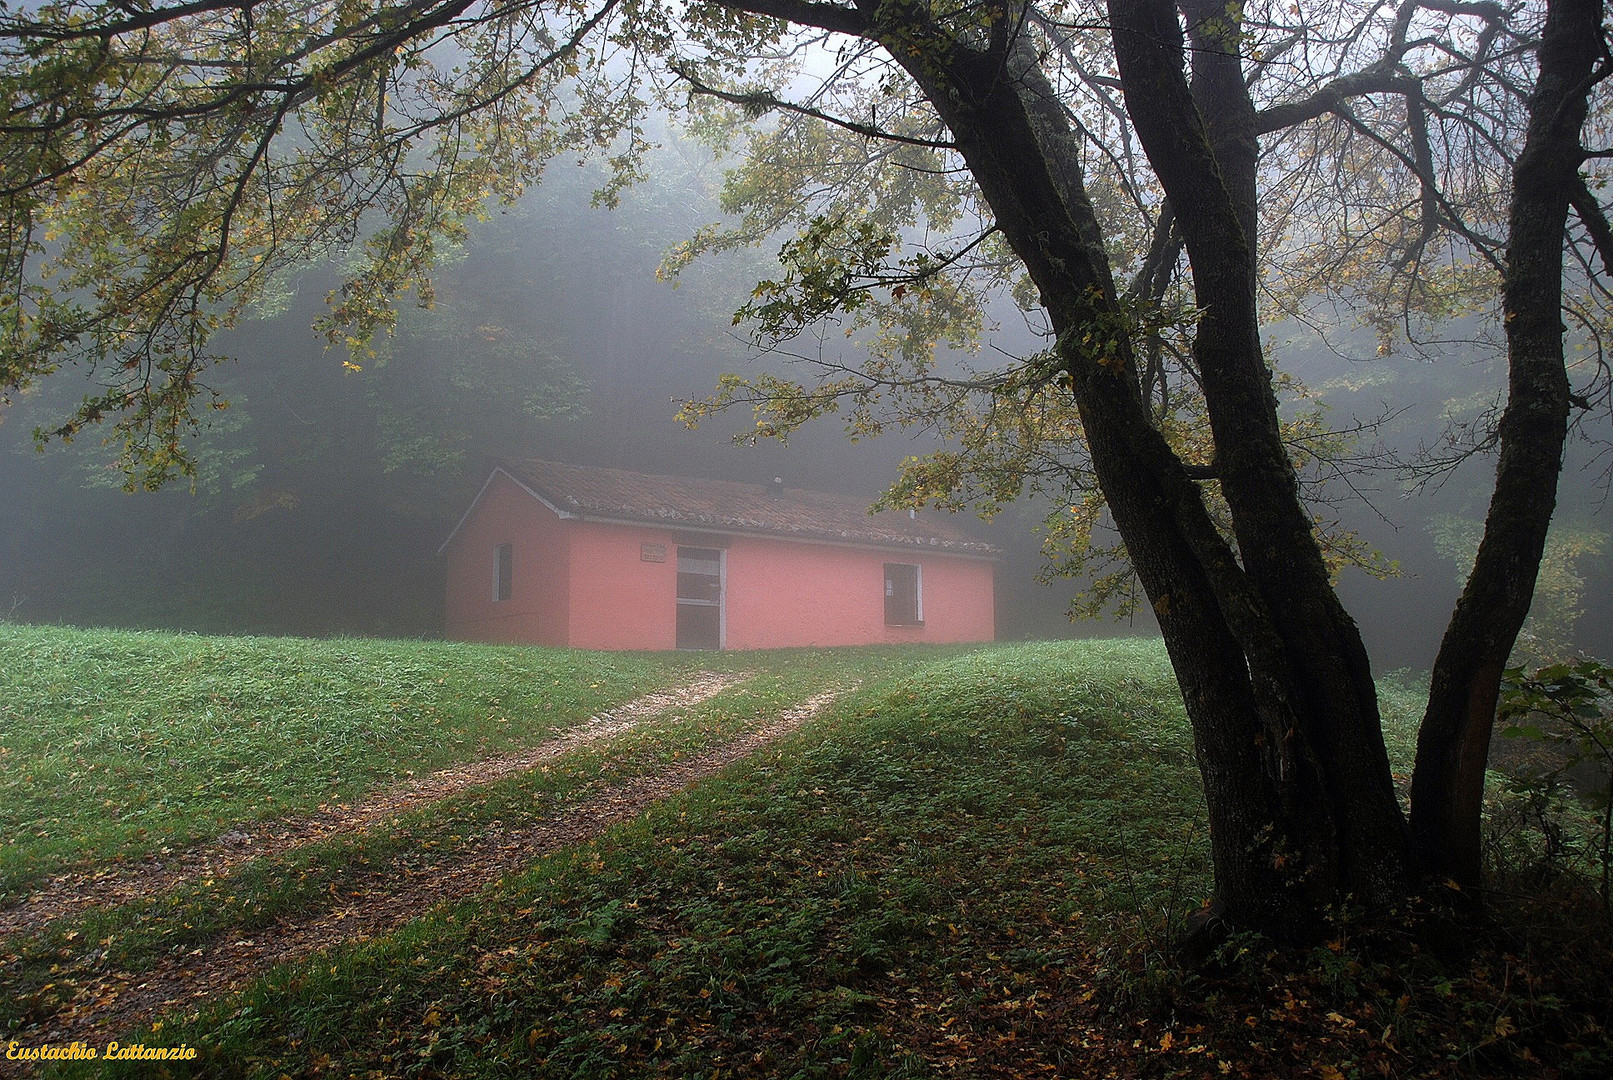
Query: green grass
951, 834
972, 866
117, 744
46, 970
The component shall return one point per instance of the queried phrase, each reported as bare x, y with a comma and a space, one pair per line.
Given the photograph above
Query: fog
324, 494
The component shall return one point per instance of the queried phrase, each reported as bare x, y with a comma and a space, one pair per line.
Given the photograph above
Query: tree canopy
1150, 181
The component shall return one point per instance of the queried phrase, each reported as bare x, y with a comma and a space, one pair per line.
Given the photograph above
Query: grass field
971, 865
116, 744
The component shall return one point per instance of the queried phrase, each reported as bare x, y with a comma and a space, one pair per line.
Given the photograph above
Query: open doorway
700, 598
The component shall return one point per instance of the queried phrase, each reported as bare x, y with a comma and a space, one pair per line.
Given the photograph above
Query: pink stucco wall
619, 601
586, 584
536, 611
787, 594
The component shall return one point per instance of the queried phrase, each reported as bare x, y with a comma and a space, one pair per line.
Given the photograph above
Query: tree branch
763, 101
1332, 98
1595, 221
833, 17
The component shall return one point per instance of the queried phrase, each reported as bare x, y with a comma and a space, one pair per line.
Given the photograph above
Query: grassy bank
118, 744
963, 843
972, 866
56, 966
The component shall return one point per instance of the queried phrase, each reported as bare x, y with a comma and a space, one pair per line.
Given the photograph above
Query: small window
903, 600
503, 572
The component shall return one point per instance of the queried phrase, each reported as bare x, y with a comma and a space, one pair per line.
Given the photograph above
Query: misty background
323, 493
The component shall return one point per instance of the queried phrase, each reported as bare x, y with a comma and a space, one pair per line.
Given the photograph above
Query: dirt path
120, 883
118, 1001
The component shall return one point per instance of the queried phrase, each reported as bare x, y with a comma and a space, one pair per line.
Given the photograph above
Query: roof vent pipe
776, 488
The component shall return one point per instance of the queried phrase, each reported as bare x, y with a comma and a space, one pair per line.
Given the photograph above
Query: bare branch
760, 101
1595, 221
833, 17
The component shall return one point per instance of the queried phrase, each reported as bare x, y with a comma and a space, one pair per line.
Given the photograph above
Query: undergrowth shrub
1551, 821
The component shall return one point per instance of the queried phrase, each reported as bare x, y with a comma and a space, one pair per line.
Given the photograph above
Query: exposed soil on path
121, 882
389, 896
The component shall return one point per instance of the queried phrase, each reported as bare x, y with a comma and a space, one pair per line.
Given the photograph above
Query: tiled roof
722, 504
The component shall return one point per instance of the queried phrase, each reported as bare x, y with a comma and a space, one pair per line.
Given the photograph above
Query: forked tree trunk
1275, 679
1453, 746
1203, 145
1277, 684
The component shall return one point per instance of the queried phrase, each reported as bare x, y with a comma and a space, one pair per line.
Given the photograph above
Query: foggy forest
1247, 359
324, 496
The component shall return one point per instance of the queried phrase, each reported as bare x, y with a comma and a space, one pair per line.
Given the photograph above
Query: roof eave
966, 549
518, 482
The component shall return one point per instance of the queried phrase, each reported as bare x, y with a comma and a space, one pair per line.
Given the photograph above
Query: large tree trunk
1453, 746
1284, 714
1203, 146
1303, 813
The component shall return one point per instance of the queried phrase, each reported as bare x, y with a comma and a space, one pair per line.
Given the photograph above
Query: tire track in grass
118, 1001
120, 883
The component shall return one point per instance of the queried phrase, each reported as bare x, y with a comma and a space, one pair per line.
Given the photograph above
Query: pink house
565, 555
